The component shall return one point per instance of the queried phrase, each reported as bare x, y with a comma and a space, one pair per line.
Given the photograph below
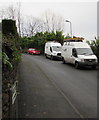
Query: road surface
51, 89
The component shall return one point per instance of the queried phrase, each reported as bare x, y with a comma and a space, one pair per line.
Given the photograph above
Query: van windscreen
56, 48
84, 51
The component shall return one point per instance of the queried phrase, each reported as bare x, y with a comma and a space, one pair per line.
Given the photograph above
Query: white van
79, 54
53, 50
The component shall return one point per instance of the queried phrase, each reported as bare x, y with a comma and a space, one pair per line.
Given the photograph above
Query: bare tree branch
53, 22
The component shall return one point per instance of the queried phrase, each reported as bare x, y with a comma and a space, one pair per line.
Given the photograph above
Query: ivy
5, 60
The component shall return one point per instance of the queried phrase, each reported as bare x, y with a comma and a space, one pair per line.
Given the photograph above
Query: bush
39, 39
5, 60
10, 58
95, 47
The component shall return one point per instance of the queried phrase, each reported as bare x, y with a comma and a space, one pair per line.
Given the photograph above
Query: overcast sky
83, 15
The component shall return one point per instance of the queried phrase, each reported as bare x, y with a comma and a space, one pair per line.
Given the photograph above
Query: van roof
77, 44
53, 43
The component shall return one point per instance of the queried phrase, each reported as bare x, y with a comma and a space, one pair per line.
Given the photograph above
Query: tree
53, 22
33, 25
59, 37
67, 36
8, 13
11, 11
95, 47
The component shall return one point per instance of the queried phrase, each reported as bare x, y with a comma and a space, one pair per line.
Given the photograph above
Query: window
74, 52
56, 48
50, 49
84, 51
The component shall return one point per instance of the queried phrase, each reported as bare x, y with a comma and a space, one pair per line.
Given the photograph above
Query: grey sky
83, 15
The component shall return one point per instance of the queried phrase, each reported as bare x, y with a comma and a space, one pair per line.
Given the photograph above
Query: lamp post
70, 27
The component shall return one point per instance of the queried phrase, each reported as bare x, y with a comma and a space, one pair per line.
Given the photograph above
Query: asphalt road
51, 89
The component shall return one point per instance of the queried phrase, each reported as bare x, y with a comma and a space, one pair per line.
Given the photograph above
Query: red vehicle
33, 51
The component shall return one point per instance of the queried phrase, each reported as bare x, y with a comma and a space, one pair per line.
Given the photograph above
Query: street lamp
70, 27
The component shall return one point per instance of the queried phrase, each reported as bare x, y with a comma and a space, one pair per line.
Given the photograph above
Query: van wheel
52, 57
93, 67
76, 65
63, 61
46, 55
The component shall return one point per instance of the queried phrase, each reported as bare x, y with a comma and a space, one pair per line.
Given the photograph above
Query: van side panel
47, 49
67, 53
